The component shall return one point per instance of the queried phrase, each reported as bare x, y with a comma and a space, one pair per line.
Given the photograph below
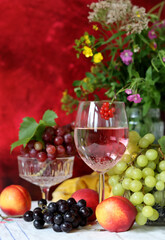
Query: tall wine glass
100, 142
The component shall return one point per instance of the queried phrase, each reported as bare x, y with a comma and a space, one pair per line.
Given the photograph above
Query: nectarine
116, 214
15, 200
90, 196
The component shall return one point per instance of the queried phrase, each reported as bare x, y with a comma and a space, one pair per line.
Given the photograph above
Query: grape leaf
27, 128
49, 117
161, 141
19, 142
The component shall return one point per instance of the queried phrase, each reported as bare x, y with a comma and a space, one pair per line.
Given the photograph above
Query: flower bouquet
126, 53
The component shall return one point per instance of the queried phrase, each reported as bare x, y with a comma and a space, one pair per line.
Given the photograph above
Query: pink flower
163, 59
126, 56
134, 98
128, 91
152, 34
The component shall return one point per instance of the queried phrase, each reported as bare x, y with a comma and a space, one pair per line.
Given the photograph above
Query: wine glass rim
97, 101
21, 157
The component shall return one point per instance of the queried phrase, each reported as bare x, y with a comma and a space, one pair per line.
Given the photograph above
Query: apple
90, 196
116, 214
15, 200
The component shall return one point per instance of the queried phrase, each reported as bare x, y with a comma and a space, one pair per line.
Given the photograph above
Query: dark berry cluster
107, 112
56, 142
62, 215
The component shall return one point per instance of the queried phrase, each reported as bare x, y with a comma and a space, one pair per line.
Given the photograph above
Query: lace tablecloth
18, 229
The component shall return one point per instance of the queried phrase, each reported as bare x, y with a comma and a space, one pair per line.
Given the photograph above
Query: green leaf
27, 128
149, 73
77, 91
161, 141
76, 83
19, 142
146, 107
118, 34
49, 117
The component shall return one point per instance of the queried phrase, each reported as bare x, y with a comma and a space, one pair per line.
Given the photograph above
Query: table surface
18, 229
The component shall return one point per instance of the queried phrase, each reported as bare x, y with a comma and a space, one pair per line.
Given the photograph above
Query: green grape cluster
140, 176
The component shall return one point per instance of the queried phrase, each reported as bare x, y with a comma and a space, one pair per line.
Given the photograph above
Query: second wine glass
101, 142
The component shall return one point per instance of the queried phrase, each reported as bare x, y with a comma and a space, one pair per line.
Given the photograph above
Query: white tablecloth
18, 229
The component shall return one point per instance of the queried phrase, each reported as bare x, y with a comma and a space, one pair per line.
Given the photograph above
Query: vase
144, 124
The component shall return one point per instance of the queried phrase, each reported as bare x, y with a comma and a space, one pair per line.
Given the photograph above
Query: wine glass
101, 142
45, 174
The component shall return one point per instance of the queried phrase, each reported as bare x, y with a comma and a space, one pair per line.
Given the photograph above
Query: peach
15, 200
90, 196
116, 214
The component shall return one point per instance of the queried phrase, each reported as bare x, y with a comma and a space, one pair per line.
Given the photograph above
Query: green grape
126, 158
121, 166
158, 196
135, 186
151, 154
137, 174
155, 215
147, 172
157, 176
150, 181
142, 160
126, 183
162, 165
128, 172
113, 180
140, 219
144, 143
117, 171
111, 172
132, 148
136, 198
139, 207
150, 137
149, 199
118, 190
151, 164
134, 137
162, 176
160, 186
147, 211
147, 189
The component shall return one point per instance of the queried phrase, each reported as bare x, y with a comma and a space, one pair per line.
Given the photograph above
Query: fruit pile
140, 176
62, 215
56, 142
44, 139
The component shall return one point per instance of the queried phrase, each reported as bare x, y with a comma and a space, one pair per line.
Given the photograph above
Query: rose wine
101, 148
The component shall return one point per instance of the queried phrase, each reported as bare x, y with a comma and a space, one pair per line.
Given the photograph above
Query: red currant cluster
107, 112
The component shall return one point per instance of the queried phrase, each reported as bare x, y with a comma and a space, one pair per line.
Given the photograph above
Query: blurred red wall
37, 63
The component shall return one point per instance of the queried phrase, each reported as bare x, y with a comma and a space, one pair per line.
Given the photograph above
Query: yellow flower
85, 79
95, 27
87, 52
65, 93
153, 46
98, 57
87, 40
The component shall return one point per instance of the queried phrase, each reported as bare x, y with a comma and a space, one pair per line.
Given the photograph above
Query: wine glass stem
45, 192
101, 187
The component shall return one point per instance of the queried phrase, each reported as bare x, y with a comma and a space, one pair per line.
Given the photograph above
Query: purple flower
163, 59
128, 91
134, 98
152, 34
126, 56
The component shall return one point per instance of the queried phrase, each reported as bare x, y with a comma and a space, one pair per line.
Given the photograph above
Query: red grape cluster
107, 112
56, 142
62, 215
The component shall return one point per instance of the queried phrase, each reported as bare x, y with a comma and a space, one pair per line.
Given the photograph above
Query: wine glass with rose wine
101, 136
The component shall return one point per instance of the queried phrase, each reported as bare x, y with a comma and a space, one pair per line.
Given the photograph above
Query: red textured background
37, 63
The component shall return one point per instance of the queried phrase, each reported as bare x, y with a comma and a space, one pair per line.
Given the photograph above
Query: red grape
58, 140
51, 149
41, 156
60, 150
